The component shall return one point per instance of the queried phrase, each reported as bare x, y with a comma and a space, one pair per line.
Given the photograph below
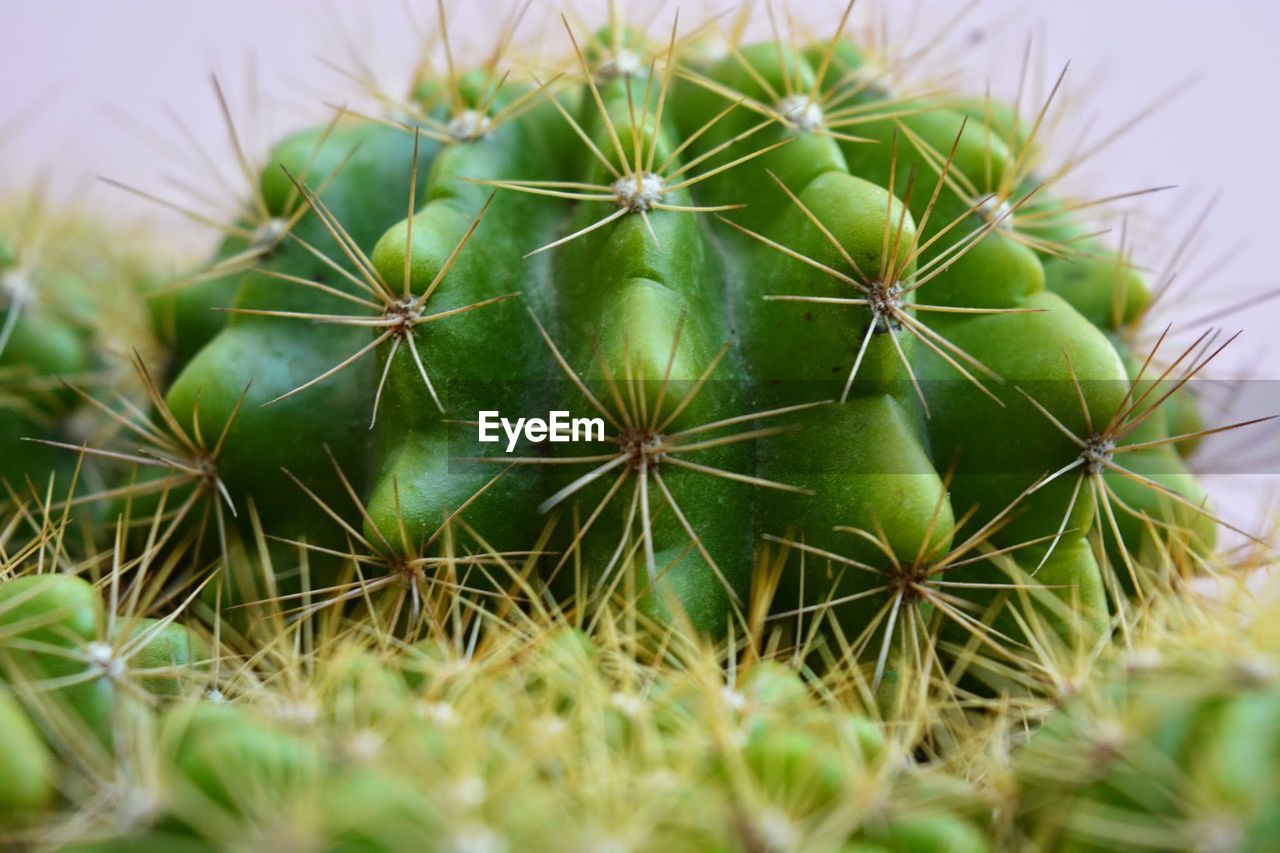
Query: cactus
1195, 699
299, 728
873, 460
794, 298
72, 311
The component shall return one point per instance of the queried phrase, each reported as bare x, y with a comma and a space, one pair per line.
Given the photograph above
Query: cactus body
880, 471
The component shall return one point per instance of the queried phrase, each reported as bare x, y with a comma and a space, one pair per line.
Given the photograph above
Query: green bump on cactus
170, 648
216, 746
27, 770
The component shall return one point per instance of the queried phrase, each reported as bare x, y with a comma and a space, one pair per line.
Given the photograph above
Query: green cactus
1202, 707
55, 636
323, 736
28, 766
71, 309
872, 461
705, 247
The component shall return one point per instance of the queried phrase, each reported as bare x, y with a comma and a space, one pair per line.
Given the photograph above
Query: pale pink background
79, 76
